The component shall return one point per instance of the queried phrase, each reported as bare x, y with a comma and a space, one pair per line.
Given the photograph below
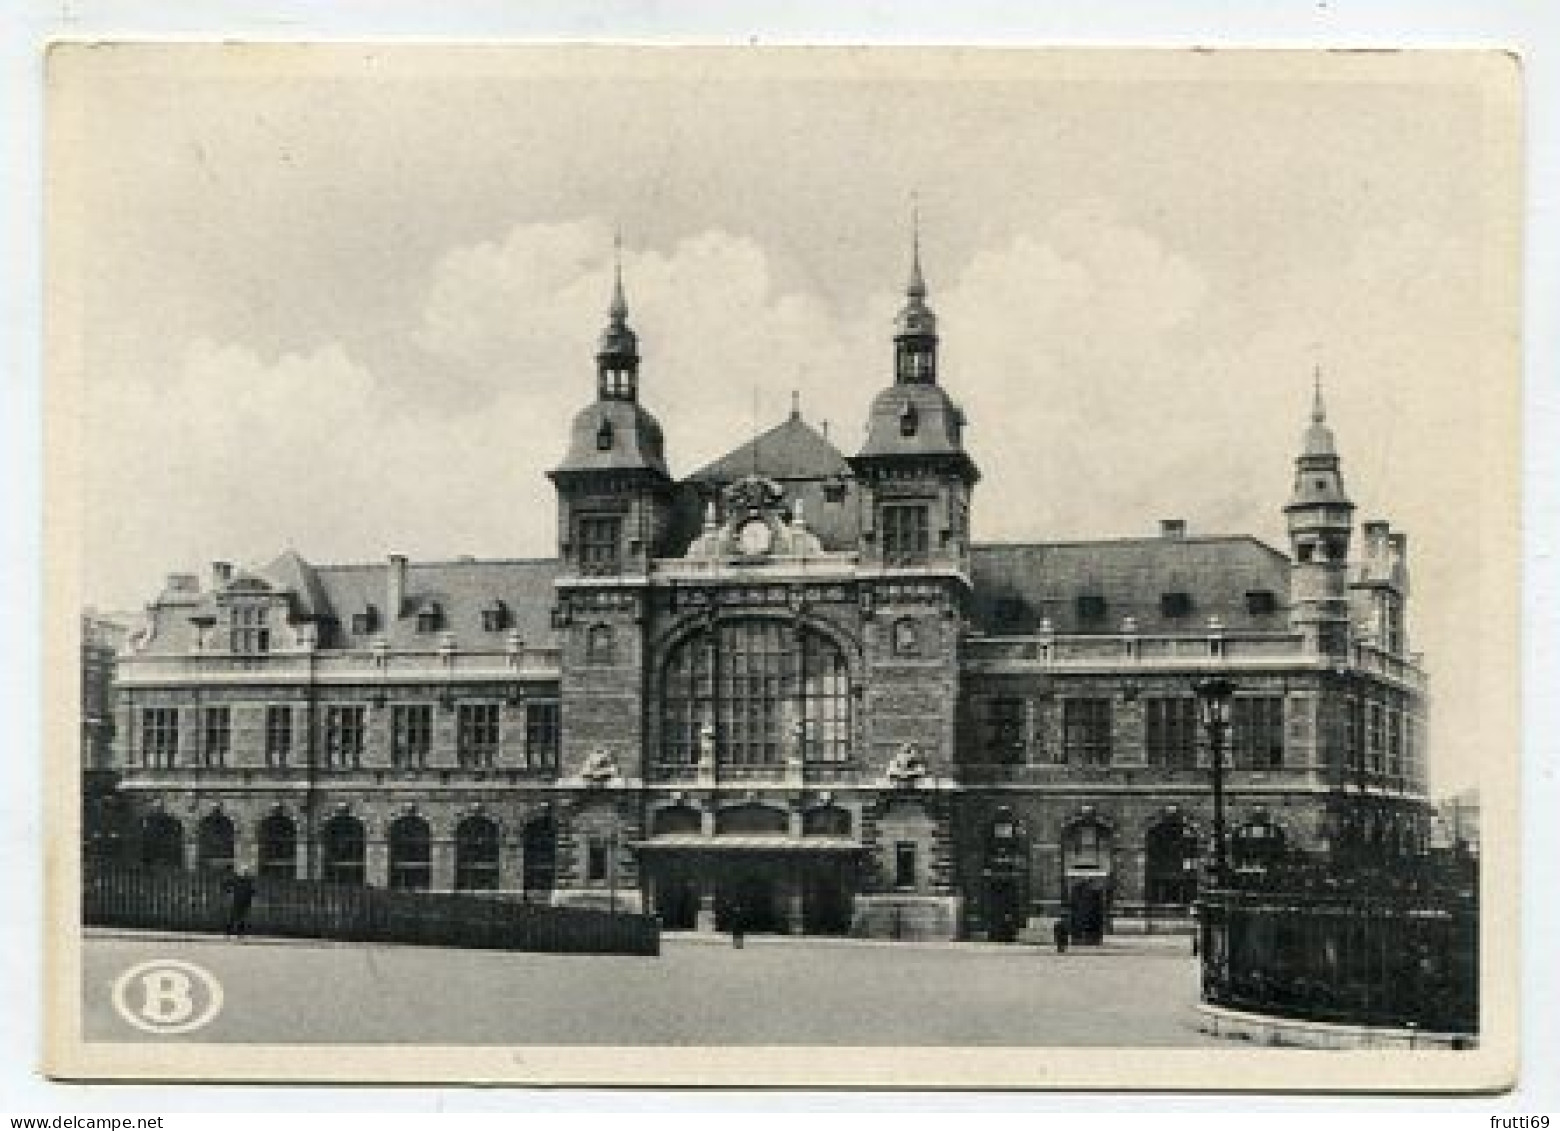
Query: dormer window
1261, 602
1176, 604
366, 622
604, 437
251, 632
429, 617
495, 616
909, 421
1091, 608
834, 491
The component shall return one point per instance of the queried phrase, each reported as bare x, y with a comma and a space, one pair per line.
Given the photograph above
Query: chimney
1172, 529
1398, 543
395, 590
1376, 538
183, 583
221, 574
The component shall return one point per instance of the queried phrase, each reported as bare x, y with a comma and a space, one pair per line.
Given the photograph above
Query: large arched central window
751, 690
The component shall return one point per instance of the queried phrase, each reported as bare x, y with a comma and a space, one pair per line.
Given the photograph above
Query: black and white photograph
778, 566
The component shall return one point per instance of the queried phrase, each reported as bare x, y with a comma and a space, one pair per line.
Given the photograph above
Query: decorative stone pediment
757, 524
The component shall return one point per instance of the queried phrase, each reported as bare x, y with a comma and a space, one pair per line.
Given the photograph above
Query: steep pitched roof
460, 590
290, 571
1017, 584
792, 449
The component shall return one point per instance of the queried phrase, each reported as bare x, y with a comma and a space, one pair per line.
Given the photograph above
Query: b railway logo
167, 996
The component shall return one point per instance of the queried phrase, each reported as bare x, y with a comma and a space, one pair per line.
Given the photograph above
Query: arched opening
476, 855
1086, 867
751, 820
1007, 876
343, 850
411, 854
162, 841
538, 847
1170, 856
676, 820
827, 820
1259, 844
753, 692
277, 847
214, 843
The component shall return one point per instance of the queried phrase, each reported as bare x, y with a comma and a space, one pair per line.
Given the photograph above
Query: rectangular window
1394, 743
1258, 725
477, 736
599, 544
278, 735
1261, 602
1171, 733
904, 864
1086, 731
1175, 604
160, 736
343, 737
1376, 744
250, 634
596, 860
1005, 730
906, 533
541, 736
411, 735
216, 736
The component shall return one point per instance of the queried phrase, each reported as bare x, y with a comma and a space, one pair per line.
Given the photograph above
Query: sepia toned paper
1142, 263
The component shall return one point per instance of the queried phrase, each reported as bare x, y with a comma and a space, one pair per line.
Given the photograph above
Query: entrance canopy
773, 842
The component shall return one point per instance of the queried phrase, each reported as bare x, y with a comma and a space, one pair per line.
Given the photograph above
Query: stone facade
788, 691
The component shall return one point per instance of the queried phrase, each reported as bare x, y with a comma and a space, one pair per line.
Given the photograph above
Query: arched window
750, 690
1170, 863
676, 819
1087, 844
214, 843
162, 841
342, 850
476, 855
1258, 843
278, 847
750, 820
411, 854
829, 820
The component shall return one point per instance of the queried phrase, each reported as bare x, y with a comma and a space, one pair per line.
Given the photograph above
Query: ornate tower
614, 512
1320, 518
614, 493
917, 475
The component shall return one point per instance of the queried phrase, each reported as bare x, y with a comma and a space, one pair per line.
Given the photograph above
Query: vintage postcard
875, 567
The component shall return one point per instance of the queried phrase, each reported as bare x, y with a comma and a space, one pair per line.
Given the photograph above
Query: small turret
1320, 518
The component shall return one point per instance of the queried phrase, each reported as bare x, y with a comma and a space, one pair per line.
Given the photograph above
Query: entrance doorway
1086, 908
826, 902
749, 899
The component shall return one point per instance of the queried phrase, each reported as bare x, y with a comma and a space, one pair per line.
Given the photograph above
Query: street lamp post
1214, 696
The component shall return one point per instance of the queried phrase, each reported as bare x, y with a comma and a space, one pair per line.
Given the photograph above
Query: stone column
443, 861
377, 862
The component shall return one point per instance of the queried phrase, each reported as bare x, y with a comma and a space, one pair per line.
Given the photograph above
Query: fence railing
172, 899
1357, 957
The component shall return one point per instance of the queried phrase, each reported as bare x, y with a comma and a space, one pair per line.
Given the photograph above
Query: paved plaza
700, 991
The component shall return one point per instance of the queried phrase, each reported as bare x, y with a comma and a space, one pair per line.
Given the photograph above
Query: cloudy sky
346, 302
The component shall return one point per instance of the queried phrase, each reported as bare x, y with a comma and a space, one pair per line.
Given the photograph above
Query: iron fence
173, 899
1397, 958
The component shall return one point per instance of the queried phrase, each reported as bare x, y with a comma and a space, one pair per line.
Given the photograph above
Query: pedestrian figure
1062, 934
736, 925
241, 894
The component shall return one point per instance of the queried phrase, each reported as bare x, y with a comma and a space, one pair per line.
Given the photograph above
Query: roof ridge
414, 563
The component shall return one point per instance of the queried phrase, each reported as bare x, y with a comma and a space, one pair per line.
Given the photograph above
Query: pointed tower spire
618, 310
916, 290
1318, 409
617, 354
